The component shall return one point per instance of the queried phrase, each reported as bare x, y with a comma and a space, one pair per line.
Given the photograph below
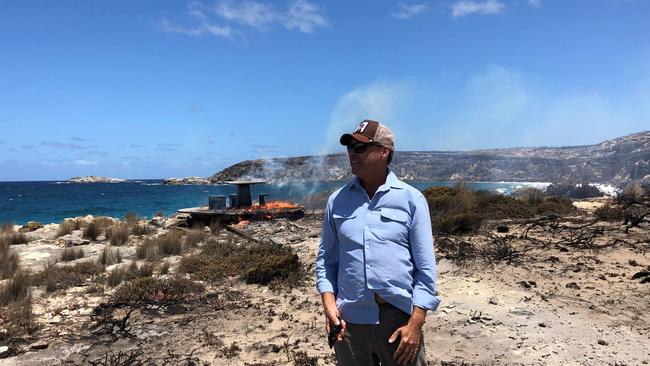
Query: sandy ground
558, 305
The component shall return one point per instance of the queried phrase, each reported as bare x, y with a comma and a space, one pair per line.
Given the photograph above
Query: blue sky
152, 89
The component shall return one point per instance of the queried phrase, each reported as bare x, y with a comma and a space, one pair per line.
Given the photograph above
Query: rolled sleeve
327, 259
421, 241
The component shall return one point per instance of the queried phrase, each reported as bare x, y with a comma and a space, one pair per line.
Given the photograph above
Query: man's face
366, 159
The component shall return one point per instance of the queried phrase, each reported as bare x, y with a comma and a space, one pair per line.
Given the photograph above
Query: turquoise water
49, 202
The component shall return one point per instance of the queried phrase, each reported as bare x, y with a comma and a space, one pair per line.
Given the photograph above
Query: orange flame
279, 205
242, 223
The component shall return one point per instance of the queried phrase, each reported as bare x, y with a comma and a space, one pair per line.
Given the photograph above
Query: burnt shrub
62, 277
456, 249
70, 254
608, 212
573, 190
255, 263
9, 259
556, 205
149, 291
118, 234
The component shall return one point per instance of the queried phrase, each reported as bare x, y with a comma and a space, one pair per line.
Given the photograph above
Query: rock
39, 345
4, 351
95, 179
30, 226
187, 181
493, 300
602, 342
180, 220
543, 325
572, 285
502, 229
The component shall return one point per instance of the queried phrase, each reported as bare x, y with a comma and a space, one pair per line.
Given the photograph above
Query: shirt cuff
325, 286
425, 300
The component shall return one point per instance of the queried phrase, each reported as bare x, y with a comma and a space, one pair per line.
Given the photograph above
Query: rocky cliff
614, 161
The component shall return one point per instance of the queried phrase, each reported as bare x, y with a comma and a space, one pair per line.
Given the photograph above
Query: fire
278, 205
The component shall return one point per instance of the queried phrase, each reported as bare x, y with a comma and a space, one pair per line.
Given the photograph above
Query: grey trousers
367, 344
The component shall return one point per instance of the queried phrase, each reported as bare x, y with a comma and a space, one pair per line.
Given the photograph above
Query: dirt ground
560, 297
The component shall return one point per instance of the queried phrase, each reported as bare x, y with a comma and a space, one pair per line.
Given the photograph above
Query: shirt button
367, 266
367, 246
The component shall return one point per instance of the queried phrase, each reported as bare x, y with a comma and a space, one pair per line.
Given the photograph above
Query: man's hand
332, 314
410, 335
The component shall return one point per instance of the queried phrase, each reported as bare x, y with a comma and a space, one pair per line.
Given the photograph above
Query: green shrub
556, 205
128, 273
255, 263
149, 291
608, 212
462, 223
494, 206
118, 234
573, 190
70, 254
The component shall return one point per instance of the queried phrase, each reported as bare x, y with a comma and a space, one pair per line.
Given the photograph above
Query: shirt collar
391, 182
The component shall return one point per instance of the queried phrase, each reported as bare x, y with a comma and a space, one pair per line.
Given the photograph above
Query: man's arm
327, 267
421, 241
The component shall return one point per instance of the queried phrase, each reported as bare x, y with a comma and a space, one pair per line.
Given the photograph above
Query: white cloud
408, 11
250, 13
301, 15
203, 28
82, 162
535, 3
304, 16
468, 7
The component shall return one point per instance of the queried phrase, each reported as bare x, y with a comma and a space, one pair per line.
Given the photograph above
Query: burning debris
239, 207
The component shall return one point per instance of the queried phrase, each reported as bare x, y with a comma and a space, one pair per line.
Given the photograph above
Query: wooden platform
229, 215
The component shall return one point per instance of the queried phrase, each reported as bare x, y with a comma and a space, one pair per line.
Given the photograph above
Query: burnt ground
565, 295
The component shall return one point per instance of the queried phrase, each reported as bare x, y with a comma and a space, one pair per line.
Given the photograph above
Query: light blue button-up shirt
382, 245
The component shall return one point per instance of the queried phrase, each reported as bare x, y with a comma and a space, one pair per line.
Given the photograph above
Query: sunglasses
360, 148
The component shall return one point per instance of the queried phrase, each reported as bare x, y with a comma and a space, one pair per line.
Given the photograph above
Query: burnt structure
238, 207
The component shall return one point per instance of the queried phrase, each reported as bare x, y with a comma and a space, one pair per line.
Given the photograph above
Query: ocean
51, 202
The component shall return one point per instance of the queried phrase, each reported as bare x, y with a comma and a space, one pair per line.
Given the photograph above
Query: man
375, 268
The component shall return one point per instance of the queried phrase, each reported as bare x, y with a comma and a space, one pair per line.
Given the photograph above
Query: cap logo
362, 126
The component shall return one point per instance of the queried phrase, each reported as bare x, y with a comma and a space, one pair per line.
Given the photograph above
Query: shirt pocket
344, 223
394, 226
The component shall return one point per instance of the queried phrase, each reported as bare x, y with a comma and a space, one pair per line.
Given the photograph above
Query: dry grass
147, 250
128, 273
109, 256
70, 254
131, 218
16, 311
164, 268
68, 226
61, 277
194, 236
9, 259
92, 231
149, 291
118, 234
14, 237
142, 229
